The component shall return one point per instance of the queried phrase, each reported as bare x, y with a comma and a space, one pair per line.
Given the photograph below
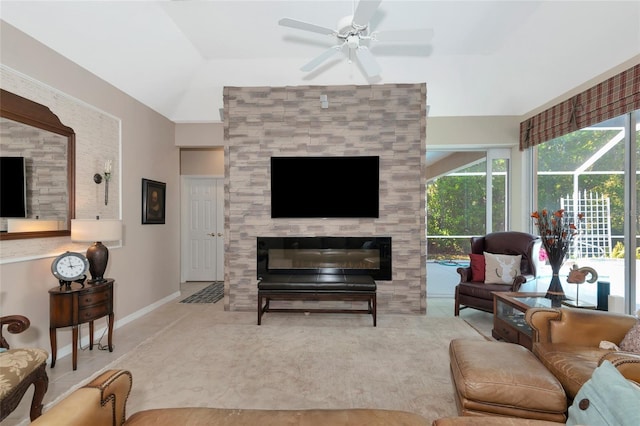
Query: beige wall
193, 135
202, 161
146, 267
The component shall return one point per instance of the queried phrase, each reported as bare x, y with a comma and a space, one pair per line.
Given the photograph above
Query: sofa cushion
572, 365
501, 268
607, 398
631, 341
477, 267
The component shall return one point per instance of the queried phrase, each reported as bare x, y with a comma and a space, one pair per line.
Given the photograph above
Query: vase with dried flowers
556, 232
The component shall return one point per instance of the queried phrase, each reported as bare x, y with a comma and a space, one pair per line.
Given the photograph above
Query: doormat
210, 294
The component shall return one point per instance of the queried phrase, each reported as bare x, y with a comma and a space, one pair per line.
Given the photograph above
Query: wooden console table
75, 305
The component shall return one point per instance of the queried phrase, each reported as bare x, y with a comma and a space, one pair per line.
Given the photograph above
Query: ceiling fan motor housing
353, 41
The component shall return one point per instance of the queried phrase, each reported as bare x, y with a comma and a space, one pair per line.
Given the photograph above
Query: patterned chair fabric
19, 369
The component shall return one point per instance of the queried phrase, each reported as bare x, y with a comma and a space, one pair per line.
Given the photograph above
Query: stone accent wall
385, 120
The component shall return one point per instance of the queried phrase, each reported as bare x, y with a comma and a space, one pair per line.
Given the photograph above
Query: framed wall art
153, 202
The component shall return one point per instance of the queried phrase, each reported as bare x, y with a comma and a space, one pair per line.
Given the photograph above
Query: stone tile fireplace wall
387, 120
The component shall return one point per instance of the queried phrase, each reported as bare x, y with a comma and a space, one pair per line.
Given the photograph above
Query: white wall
147, 266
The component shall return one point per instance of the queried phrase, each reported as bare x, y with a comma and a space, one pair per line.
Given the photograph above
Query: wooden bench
317, 287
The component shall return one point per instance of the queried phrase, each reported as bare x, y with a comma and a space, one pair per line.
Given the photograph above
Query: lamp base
98, 257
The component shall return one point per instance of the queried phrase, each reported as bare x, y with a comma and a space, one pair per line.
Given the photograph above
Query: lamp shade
91, 230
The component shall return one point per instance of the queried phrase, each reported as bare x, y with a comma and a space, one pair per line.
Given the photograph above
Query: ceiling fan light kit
352, 32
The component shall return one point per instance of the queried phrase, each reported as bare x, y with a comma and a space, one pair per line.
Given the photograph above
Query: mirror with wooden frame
37, 193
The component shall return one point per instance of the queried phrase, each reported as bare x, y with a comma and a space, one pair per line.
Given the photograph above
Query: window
591, 171
459, 205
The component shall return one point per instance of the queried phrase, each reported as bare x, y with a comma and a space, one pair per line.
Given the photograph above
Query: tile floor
62, 378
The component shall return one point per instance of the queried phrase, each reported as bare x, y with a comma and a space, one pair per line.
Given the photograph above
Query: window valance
616, 96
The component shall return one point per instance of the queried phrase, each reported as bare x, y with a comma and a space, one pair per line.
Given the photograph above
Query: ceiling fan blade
368, 62
364, 11
422, 35
321, 58
287, 22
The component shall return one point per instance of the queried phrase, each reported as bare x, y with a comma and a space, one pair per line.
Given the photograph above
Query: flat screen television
13, 188
325, 187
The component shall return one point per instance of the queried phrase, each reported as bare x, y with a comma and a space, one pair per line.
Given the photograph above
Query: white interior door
203, 229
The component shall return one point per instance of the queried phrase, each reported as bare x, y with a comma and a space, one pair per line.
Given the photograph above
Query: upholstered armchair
19, 369
477, 293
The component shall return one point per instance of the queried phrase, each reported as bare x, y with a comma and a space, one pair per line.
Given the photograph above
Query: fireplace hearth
324, 256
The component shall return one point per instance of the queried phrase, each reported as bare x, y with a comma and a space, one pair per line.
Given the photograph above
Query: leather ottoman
498, 378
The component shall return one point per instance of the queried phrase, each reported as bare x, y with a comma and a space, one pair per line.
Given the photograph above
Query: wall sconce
97, 178
96, 230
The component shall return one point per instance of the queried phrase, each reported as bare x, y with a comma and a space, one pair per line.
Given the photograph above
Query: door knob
219, 234
212, 234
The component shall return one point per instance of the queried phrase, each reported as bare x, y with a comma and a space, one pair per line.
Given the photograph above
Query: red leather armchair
477, 294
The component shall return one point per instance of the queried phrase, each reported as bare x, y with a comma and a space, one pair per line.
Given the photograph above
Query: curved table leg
111, 332
90, 335
74, 340
54, 346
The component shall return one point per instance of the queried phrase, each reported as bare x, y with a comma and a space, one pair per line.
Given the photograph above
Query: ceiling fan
353, 33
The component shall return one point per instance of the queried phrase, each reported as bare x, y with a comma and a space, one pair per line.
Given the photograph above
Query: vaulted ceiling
485, 58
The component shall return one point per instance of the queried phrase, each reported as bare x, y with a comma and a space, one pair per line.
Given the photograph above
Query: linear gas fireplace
325, 255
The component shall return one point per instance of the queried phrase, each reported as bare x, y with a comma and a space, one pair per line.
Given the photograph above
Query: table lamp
96, 230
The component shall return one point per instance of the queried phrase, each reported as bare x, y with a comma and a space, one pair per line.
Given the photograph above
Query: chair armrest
465, 274
15, 324
101, 402
539, 320
519, 280
581, 327
627, 363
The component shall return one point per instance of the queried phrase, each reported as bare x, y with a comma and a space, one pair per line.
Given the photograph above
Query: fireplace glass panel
325, 255
327, 258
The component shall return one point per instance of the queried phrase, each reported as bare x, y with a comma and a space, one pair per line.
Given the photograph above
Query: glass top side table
508, 316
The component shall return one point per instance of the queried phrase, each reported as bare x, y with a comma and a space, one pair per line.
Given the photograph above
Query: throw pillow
607, 398
477, 267
501, 268
631, 341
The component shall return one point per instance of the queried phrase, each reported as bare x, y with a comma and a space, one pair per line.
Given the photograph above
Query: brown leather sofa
477, 294
567, 342
102, 402
490, 421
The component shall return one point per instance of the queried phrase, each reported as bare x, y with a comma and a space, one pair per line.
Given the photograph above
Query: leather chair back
511, 243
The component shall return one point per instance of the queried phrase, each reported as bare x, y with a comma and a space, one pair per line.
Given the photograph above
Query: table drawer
93, 312
94, 297
507, 332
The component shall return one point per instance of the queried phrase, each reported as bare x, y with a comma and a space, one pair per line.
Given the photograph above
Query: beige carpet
297, 361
